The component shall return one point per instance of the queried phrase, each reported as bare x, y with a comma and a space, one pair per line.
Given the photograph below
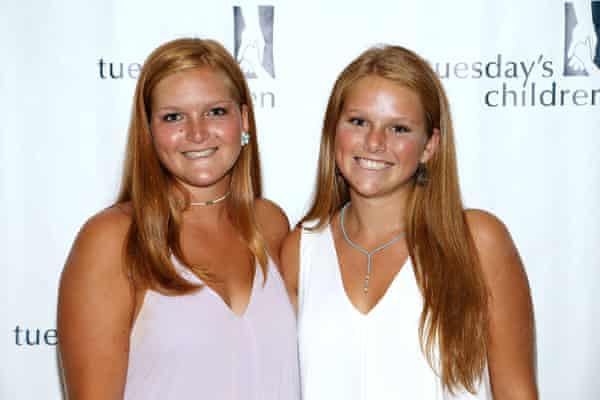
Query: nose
375, 140
197, 129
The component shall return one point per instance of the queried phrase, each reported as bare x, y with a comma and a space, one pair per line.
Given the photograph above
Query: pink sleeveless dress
195, 347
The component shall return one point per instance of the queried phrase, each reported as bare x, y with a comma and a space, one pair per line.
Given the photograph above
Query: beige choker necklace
211, 202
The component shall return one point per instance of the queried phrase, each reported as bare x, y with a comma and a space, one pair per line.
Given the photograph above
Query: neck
213, 215
209, 204
376, 219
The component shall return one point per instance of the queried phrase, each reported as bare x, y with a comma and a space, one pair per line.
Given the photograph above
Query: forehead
197, 83
377, 94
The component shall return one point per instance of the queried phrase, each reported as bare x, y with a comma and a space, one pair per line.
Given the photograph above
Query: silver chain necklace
369, 254
211, 202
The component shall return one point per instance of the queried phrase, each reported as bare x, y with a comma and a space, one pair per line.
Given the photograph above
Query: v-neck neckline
244, 313
342, 287
189, 274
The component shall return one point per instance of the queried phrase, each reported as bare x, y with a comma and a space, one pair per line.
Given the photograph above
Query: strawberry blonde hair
453, 325
152, 191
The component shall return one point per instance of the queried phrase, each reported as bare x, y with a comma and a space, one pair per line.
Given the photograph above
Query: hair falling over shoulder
454, 318
155, 197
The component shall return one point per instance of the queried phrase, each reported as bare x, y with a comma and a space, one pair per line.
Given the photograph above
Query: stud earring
245, 138
421, 175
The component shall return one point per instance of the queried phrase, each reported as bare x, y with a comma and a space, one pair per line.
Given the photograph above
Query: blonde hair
154, 194
454, 315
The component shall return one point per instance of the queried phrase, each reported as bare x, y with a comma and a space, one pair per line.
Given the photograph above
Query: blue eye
216, 112
398, 129
357, 121
172, 117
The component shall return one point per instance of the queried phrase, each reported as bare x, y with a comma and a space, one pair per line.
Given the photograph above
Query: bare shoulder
499, 258
103, 233
273, 223
271, 216
112, 221
511, 343
485, 227
497, 252
492, 238
95, 307
97, 252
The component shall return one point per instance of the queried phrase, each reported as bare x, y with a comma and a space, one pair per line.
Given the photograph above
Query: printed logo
35, 336
582, 30
537, 80
253, 39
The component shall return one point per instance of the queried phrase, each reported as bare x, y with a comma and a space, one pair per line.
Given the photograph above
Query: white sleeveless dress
347, 355
195, 347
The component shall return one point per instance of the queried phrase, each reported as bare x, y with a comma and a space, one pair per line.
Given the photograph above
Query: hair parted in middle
454, 315
157, 199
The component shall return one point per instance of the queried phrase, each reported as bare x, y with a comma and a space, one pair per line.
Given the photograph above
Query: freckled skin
194, 111
380, 121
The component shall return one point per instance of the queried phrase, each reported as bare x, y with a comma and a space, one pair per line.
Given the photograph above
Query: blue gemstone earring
245, 138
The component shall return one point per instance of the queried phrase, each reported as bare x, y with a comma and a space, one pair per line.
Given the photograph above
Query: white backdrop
527, 148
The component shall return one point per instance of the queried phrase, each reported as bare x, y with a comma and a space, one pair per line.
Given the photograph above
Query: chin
374, 190
366, 190
204, 180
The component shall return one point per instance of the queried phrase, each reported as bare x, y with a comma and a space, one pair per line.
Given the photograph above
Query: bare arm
290, 264
511, 329
95, 310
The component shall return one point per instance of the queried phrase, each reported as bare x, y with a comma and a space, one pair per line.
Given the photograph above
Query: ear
245, 123
431, 146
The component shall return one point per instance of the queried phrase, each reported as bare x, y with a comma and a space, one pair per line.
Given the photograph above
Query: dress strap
309, 240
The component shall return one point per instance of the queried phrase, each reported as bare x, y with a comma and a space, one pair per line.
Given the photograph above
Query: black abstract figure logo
253, 31
582, 30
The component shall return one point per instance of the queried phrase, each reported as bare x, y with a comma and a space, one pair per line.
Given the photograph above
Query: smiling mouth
373, 165
193, 155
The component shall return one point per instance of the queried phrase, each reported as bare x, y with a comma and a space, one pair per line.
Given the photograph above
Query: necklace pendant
369, 254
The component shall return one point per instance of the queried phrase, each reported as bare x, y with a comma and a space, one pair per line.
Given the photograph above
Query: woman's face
381, 137
196, 126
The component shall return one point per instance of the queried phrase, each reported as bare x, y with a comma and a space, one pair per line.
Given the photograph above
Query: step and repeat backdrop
524, 84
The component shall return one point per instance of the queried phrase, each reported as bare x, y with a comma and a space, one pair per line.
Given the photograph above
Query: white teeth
199, 154
371, 164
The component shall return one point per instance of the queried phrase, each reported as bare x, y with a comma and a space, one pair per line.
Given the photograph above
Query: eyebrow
208, 105
396, 118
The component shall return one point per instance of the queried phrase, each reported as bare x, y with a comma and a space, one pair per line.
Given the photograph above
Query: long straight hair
154, 194
454, 318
